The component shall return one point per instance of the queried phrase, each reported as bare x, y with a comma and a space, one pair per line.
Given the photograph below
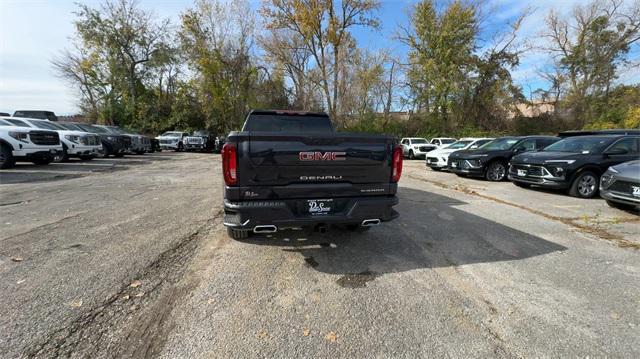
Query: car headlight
111, 138
556, 171
606, 180
20, 136
473, 163
73, 138
613, 170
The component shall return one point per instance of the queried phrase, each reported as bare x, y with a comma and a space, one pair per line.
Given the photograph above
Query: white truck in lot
78, 144
172, 140
27, 144
437, 159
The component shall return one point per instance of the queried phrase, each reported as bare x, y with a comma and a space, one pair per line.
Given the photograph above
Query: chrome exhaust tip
370, 222
265, 229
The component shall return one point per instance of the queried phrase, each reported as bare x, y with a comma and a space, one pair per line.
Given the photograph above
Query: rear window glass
288, 123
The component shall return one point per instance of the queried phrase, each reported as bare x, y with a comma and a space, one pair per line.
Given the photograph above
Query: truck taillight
230, 164
396, 164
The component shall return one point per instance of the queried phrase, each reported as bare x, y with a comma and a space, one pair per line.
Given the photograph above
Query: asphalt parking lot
128, 258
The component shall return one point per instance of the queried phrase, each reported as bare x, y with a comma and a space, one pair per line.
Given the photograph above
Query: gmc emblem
322, 156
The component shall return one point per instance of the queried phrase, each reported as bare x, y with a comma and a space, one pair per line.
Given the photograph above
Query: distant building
533, 109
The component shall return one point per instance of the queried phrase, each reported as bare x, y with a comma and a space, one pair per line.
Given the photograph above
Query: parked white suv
78, 144
25, 144
437, 159
415, 147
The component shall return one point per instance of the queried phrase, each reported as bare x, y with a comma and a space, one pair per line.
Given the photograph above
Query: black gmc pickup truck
289, 169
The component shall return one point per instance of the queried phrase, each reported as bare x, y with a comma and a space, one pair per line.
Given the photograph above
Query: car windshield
46, 125
417, 141
171, 134
70, 126
458, 145
115, 130
15, 122
580, 144
447, 141
94, 129
501, 144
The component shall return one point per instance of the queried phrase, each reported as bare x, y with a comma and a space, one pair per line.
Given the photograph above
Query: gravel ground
128, 258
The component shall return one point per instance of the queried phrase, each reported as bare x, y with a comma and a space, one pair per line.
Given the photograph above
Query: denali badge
317, 178
322, 156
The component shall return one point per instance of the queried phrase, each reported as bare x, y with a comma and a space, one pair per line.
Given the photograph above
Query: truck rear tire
238, 233
6, 158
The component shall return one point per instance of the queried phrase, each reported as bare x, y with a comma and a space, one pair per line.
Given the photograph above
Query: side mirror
520, 149
616, 151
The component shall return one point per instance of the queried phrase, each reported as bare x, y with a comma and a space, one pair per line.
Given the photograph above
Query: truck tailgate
335, 165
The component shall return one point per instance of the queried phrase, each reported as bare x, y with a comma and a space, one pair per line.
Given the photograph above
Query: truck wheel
238, 233
6, 158
118, 155
496, 171
437, 169
180, 147
411, 155
61, 156
42, 161
585, 185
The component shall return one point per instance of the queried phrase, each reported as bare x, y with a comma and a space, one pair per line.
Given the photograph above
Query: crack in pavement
130, 323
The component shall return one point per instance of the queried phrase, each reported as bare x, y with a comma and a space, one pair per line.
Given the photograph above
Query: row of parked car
42, 141
582, 163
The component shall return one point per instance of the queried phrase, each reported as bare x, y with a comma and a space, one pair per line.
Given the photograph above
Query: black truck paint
291, 169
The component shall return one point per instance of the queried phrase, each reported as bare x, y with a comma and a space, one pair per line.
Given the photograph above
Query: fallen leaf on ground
125, 297
211, 301
306, 332
139, 294
262, 334
17, 259
77, 303
331, 336
21, 281
135, 284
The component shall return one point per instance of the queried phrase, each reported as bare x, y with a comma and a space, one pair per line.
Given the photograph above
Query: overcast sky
35, 31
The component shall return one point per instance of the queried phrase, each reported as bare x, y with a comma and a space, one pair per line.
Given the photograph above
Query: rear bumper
293, 213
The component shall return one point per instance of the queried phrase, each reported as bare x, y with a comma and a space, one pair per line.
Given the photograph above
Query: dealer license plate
635, 191
320, 206
522, 173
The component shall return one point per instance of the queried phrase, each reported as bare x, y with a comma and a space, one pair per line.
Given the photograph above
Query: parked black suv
575, 163
112, 144
491, 160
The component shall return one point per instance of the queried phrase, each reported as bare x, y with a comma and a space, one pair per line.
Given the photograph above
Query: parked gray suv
620, 185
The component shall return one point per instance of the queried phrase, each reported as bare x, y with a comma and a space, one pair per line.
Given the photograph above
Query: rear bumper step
281, 214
